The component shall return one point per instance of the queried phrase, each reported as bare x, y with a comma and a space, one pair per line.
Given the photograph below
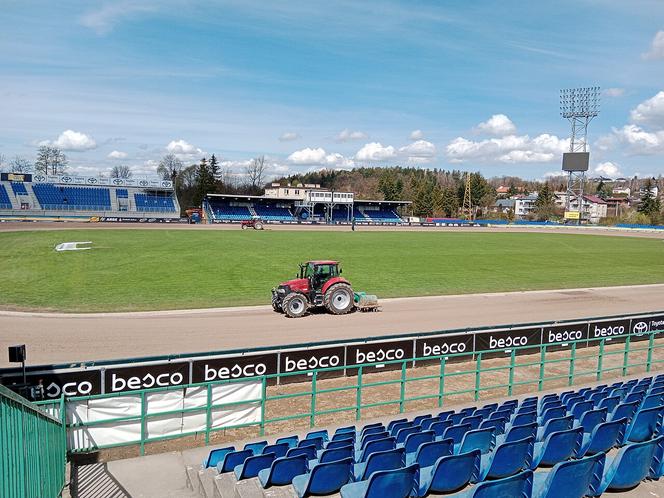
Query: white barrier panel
169, 424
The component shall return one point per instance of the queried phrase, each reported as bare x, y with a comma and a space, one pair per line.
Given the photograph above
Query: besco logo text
380, 355
441, 349
507, 342
234, 372
311, 363
146, 382
608, 331
565, 335
53, 390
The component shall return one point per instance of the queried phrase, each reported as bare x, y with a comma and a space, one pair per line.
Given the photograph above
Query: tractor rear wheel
339, 299
294, 305
258, 226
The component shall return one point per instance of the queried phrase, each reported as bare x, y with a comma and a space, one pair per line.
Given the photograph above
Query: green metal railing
609, 358
33, 449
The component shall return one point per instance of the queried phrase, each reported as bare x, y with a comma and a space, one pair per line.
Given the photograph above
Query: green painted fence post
510, 382
478, 369
572, 360
358, 395
441, 382
542, 362
402, 394
651, 343
208, 413
312, 418
263, 396
143, 411
626, 357
599, 359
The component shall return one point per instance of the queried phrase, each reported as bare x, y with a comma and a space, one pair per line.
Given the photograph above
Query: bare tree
2, 162
20, 164
255, 172
50, 161
170, 167
121, 172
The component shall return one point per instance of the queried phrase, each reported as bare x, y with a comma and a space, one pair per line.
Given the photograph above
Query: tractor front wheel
276, 306
339, 299
294, 305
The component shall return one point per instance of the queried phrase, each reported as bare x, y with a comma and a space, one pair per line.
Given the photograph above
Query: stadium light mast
579, 106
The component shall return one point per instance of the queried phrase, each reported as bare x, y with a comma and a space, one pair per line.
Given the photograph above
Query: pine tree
204, 182
215, 173
544, 204
650, 205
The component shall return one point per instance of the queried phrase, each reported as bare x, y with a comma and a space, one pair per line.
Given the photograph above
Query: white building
524, 205
594, 208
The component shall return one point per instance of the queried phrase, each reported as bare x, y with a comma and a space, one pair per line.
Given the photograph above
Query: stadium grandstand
303, 204
25, 196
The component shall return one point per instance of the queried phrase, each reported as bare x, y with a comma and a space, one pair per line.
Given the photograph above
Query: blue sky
470, 85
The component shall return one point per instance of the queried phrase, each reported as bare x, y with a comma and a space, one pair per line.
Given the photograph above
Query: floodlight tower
579, 106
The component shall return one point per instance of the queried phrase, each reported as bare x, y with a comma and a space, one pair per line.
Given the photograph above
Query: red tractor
255, 223
318, 284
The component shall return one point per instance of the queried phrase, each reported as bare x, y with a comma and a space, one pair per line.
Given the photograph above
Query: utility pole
467, 207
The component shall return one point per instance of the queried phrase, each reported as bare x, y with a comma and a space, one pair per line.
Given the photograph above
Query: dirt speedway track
67, 338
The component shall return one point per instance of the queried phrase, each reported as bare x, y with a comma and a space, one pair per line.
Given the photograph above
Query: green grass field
167, 269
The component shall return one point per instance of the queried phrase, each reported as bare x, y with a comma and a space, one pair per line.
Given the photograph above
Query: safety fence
33, 450
270, 403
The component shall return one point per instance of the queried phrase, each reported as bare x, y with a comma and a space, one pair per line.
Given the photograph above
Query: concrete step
249, 488
206, 482
192, 482
224, 485
280, 492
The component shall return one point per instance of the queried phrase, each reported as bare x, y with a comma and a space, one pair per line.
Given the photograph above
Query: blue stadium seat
5, 202
331, 455
427, 453
307, 451
626, 410
282, 471
629, 467
516, 486
256, 447
603, 437
216, 456
507, 459
232, 459
645, 425
440, 427
573, 479
339, 443
413, 441
477, 439
386, 443
291, 441
316, 442
380, 460
397, 483
518, 432
555, 425
591, 419
557, 447
324, 478
456, 432
373, 436
252, 465
279, 449
450, 473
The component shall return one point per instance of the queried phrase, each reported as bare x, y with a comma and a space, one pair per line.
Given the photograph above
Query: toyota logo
640, 328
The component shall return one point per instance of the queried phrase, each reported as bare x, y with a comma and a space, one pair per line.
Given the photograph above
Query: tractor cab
317, 273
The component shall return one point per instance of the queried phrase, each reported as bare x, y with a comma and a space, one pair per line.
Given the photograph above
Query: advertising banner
146, 376
234, 367
375, 352
503, 341
611, 330
309, 359
53, 384
562, 335
443, 345
641, 327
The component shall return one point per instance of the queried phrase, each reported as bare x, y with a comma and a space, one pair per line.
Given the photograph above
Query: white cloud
418, 152
319, 157
104, 19
608, 168
640, 141
416, 135
555, 174
183, 149
656, 47
650, 111
374, 151
116, 154
613, 92
289, 136
348, 135
510, 149
498, 125
71, 140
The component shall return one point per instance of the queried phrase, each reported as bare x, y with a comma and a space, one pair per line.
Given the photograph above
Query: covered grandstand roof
266, 198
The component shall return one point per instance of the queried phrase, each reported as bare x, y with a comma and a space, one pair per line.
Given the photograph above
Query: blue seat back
232, 459
440, 427
609, 403
511, 458
387, 443
326, 478
384, 460
473, 420
606, 435
445, 415
350, 429
517, 486
653, 400
279, 449
402, 434
575, 477
308, 451
374, 436
453, 472
315, 434
256, 448
478, 439
553, 412
343, 436
428, 453
341, 443
625, 410
216, 456
428, 422
398, 483
592, 418
413, 441
316, 442
524, 418
498, 425
291, 441
284, 469
505, 413
578, 409
517, 432
456, 432
336, 454
631, 465
455, 418
368, 429
556, 425
421, 418
645, 425
254, 464
392, 423
484, 412
561, 445
394, 430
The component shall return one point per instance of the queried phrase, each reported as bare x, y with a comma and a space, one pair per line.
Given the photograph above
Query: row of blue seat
5, 202
19, 188
68, 197
506, 438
